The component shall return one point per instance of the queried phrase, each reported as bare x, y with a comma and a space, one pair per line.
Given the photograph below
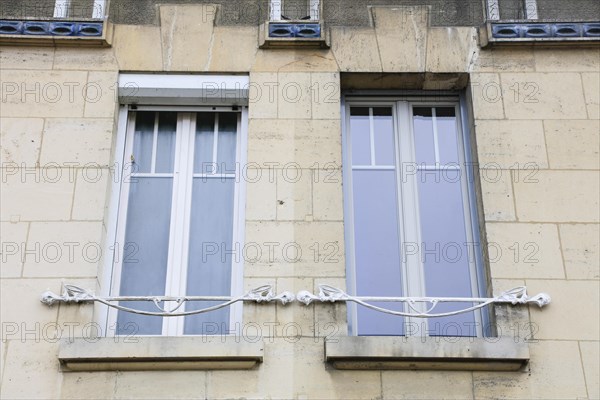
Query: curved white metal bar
75, 294
327, 294
514, 296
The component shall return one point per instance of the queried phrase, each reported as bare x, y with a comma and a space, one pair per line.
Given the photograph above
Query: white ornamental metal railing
265, 294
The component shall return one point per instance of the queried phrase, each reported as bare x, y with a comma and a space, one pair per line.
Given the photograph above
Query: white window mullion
414, 280
61, 8
216, 140
372, 136
154, 143
436, 143
314, 9
175, 235
99, 10
493, 10
187, 181
276, 6
531, 10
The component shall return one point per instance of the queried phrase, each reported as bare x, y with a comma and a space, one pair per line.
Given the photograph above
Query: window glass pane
376, 248
423, 134
447, 256
210, 258
143, 141
447, 135
227, 138
165, 147
360, 136
383, 125
444, 249
296, 9
205, 132
145, 252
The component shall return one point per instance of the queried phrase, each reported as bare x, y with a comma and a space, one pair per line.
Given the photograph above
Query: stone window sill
431, 353
158, 353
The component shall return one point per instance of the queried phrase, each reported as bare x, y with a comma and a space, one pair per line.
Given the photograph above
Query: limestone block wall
536, 120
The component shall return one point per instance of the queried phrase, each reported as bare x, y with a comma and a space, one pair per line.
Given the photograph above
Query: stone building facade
531, 108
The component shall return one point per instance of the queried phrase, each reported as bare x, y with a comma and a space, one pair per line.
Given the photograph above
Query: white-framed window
410, 213
284, 10
528, 7
63, 9
180, 217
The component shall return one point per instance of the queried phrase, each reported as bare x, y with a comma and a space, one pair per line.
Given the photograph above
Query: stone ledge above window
430, 353
159, 353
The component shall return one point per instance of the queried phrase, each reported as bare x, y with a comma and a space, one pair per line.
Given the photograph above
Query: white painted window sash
239, 221
116, 263
102, 317
179, 232
183, 174
276, 7
61, 8
372, 137
409, 223
99, 9
493, 10
436, 142
413, 275
531, 10
468, 208
314, 7
349, 217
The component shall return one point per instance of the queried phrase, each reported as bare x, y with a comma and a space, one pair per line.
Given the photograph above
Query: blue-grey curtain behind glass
211, 248
376, 230
146, 247
444, 245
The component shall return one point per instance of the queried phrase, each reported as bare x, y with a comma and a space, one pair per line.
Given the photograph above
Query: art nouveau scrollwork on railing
514, 296
75, 294
327, 294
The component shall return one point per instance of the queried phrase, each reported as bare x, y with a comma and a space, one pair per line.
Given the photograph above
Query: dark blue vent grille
536, 31
89, 29
295, 30
545, 30
505, 31
308, 31
36, 28
56, 28
591, 30
566, 30
11, 27
62, 28
281, 30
